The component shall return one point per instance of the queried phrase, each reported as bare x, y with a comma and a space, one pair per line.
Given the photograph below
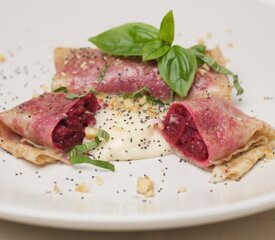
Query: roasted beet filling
180, 130
70, 130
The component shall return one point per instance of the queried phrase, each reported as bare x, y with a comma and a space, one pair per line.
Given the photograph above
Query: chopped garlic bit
90, 132
99, 181
45, 88
2, 58
201, 41
134, 105
217, 54
82, 188
230, 45
145, 186
56, 189
181, 190
35, 95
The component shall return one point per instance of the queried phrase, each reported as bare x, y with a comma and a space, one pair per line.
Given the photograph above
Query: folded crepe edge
261, 145
19, 148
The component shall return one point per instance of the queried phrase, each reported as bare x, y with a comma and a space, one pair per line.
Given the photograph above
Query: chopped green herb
61, 89
99, 163
140, 93
154, 101
136, 94
78, 155
103, 134
72, 96
103, 72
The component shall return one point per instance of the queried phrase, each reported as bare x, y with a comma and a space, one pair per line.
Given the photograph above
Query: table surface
260, 226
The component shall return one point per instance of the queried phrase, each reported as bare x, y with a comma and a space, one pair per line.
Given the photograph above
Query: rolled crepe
18, 147
81, 70
211, 131
51, 121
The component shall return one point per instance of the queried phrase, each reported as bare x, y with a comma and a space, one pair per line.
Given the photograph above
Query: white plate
29, 32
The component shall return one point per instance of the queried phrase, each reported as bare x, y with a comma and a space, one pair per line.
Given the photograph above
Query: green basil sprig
78, 154
177, 65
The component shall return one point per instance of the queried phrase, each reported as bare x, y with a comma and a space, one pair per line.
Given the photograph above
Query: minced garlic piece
201, 41
82, 188
56, 189
230, 45
99, 181
128, 104
90, 132
45, 88
142, 100
145, 186
181, 190
35, 95
84, 66
217, 54
118, 129
2, 58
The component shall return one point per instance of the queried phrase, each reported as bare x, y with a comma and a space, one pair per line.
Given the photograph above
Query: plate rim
156, 221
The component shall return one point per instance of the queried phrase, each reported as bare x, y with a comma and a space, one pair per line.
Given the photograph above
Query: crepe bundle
42, 129
211, 132
81, 70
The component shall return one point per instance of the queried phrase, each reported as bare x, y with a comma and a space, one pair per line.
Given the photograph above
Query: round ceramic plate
30, 30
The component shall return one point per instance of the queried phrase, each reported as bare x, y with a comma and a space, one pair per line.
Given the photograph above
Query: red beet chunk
70, 130
180, 130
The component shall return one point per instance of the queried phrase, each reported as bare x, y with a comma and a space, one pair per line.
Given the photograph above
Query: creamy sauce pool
133, 132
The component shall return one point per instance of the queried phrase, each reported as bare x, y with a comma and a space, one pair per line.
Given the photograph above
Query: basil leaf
126, 40
154, 50
103, 134
98, 163
178, 67
211, 62
103, 72
167, 28
72, 96
61, 89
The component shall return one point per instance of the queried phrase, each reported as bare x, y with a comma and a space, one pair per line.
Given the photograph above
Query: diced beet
70, 130
180, 130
